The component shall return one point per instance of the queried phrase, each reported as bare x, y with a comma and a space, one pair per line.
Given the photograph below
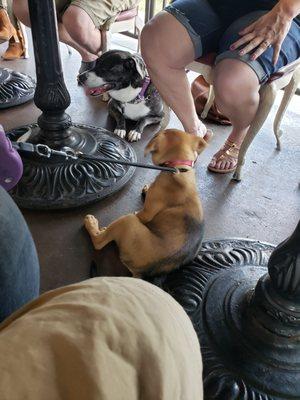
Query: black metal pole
147, 10
152, 8
51, 94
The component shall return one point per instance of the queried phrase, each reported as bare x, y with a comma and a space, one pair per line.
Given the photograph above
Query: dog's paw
120, 132
144, 191
134, 136
105, 97
90, 220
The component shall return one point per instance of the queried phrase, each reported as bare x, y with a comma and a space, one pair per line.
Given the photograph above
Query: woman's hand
269, 30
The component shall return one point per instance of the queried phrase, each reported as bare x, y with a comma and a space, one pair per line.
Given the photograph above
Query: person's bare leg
82, 29
66, 38
167, 49
21, 10
237, 96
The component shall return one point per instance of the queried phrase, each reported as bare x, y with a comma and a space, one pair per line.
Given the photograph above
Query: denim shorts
209, 33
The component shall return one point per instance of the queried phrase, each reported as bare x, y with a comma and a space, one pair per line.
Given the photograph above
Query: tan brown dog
168, 231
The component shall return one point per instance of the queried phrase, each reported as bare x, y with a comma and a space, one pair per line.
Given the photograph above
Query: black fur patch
118, 67
194, 236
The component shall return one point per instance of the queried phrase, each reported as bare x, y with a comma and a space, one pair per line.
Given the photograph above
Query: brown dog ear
152, 145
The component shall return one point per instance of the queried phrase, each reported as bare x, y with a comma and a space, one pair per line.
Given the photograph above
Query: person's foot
198, 128
7, 30
86, 66
202, 129
225, 160
16, 47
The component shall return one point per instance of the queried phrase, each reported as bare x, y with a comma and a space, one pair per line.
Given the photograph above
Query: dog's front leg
136, 133
149, 211
116, 112
145, 216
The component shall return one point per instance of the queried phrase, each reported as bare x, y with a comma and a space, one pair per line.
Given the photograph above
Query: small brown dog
168, 231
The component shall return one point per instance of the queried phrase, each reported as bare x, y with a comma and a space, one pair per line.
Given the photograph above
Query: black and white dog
133, 96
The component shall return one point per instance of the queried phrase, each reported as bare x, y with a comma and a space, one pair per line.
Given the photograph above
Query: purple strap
146, 84
11, 166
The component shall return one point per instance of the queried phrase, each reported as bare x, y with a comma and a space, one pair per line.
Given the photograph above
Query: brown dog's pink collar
180, 163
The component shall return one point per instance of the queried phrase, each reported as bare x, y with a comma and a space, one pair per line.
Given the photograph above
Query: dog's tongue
98, 90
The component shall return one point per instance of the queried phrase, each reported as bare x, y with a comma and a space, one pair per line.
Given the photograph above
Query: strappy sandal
229, 152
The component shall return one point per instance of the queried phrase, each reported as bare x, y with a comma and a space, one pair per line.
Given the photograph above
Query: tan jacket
102, 339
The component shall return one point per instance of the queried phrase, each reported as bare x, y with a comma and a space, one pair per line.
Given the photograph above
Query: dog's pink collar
175, 163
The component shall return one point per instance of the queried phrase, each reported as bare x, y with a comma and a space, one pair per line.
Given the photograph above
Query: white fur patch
124, 95
105, 97
140, 66
134, 136
93, 80
135, 111
120, 132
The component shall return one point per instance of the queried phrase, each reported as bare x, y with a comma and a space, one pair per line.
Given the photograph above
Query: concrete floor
264, 206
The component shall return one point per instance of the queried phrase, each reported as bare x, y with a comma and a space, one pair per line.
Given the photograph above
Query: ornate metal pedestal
247, 321
15, 88
54, 183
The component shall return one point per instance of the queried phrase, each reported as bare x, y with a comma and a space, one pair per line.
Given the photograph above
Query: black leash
43, 150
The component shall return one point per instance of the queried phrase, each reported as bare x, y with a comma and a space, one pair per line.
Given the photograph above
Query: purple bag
11, 166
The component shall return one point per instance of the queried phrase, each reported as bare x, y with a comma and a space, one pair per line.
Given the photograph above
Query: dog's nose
82, 78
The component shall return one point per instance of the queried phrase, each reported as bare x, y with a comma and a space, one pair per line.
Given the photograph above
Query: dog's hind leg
136, 133
99, 236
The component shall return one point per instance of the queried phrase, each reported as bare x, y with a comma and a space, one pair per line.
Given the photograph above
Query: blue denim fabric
210, 32
202, 23
19, 266
264, 66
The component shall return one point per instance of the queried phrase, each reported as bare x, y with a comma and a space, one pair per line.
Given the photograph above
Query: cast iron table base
248, 322
55, 183
15, 88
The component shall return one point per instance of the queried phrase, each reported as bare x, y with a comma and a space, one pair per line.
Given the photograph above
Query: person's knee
72, 21
161, 43
235, 84
21, 11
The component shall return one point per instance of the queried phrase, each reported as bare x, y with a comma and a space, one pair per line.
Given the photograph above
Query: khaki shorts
102, 12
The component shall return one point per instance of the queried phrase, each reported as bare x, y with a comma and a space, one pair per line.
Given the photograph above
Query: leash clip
43, 150
69, 153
